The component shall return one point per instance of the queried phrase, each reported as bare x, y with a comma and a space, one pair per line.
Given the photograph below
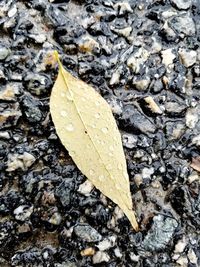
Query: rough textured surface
144, 59
160, 234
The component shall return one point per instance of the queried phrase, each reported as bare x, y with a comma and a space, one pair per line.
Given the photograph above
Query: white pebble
23, 212
147, 172
192, 256
12, 11
196, 140
118, 253
4, 135
100, 256
168, 57
180, 246
191, 118
107, 243
187, 58
85, 188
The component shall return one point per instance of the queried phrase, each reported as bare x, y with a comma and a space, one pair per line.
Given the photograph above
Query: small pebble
181, 4
100, 257
192, 257
88, 252
187, 58
4, 52
191, 117
23, 212
180, 246
168, 57
160, 233
86, 188
87, 233
12, 11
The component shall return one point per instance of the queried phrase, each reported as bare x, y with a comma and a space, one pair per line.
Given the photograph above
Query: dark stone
8, 238
37, 84
31, 108
9, 202
64, 191
30, 257
134, 121
180, 201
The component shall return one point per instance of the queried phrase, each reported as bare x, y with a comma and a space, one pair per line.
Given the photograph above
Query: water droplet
101, 177
62, 94
70, 127
118, 187
97, 115
69, 95
83, 99
110, 154
120, 167
111, 148
63, 113
102, 142
91, 172
97, 103
104, 130
93, 126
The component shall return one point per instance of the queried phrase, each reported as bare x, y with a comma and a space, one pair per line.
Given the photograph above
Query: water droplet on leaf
97, 103
70, 127
91, 172
104, 130
63, 113
69, 95
97, 115
111, 148
118, 187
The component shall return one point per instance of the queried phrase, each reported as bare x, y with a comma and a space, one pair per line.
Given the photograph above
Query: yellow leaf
87, 128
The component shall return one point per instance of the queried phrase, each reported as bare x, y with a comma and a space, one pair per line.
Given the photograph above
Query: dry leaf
87, 128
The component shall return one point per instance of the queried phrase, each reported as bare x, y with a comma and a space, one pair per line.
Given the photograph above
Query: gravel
160, 233
143, 57
87, 233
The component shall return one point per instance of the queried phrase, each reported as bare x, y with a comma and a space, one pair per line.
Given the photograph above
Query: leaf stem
56, 55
